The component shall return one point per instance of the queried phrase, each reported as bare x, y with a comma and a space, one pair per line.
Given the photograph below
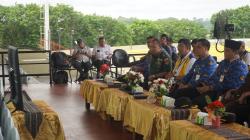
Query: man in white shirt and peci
101, 54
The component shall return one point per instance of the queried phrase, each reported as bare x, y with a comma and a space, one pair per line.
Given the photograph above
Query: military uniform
160, 63
144, 63
246, 86
201, 71
229, 75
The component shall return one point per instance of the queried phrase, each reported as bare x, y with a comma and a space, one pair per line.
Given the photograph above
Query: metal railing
4, 65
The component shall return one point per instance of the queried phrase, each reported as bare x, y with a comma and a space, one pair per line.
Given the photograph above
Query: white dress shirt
82, 53
102, 53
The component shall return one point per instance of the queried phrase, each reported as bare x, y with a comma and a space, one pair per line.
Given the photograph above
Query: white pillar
46, 26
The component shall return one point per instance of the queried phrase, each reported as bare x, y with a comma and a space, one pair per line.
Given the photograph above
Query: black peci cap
232, 44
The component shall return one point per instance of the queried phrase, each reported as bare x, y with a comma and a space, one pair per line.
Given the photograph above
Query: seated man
101, 55
160, 62
238, 102
244, 54
202, 69
185, 62
230, 74
173, 49
194, 42
164, 45
142, 64
82, 59
241, 108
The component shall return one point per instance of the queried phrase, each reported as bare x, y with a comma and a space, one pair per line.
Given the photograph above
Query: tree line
20, 26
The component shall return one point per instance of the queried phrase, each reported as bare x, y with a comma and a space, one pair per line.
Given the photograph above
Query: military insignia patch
242, 78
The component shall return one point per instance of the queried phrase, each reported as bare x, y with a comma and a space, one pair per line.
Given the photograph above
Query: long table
149, 120
50, 128
152, 121
113, 102
90, 91
186, 130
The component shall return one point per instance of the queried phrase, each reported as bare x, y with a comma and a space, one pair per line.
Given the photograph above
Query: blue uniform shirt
201, 71
229, 75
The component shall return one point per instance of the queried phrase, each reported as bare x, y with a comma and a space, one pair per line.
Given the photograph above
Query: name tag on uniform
197, 77
221, 78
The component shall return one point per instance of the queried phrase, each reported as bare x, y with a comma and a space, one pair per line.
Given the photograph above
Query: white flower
136, 76
162, 86
132, 72
156, 81
151, 90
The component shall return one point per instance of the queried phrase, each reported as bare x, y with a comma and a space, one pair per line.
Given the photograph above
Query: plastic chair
1, 136
12, 134
4, 114
61, 62
8, 124
121, 59
1, 109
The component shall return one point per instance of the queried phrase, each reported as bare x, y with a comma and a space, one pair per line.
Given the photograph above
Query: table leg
134, 135
87, 106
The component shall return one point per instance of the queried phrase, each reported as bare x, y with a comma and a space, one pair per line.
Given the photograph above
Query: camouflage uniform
160, 63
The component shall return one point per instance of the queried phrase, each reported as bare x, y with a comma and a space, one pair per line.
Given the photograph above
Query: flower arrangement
216, 107
161, 86
134, 78
104, 70
215, 110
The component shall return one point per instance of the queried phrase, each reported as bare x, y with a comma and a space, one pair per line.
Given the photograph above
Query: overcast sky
144, 9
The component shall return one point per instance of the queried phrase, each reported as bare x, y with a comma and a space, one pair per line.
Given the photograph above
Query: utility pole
72, 41
46, 26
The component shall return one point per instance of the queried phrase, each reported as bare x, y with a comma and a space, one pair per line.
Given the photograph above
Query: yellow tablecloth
185, 130
90, 90
50, 128
113, 102
149, 120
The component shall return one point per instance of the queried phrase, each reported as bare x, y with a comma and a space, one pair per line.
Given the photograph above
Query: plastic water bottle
245, 124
